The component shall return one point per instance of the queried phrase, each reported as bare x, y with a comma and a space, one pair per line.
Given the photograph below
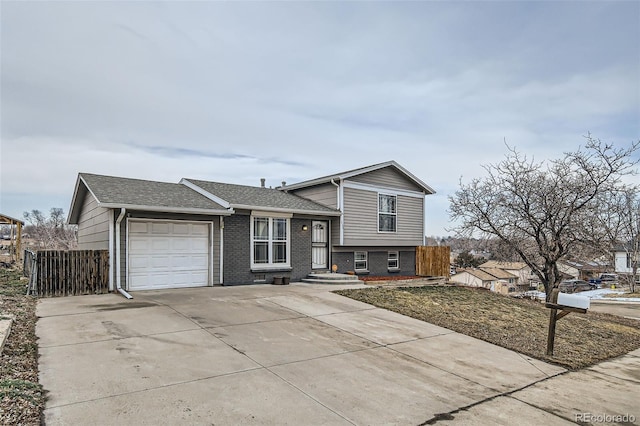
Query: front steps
331, 278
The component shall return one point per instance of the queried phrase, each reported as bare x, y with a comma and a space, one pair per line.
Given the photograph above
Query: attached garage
168, 254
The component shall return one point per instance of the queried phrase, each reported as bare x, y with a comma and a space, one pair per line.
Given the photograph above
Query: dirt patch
519, 325
21, 396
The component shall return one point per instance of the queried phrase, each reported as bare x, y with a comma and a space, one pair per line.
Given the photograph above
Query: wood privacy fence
69, 272
433, 261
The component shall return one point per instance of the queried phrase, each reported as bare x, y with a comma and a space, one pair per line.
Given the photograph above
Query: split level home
200, 233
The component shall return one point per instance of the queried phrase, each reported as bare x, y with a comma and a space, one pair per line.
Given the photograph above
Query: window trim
397, 260
366, 261
394, 214
270, 241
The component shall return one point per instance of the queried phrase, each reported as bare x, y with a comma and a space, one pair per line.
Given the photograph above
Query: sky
290, 91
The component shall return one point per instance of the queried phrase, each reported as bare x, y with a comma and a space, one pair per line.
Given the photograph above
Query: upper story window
270, 243
387, 213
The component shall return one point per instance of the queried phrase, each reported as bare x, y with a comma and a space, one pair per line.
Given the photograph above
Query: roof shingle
258, 197
136, 192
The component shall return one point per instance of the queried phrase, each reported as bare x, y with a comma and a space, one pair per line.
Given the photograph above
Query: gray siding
361, 220
388, 177
326, 194
93, 225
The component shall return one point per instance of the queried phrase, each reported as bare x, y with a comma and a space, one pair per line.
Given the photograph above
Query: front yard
519, 325
21, 396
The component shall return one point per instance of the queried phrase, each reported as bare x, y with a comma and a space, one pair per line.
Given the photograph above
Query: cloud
291, 91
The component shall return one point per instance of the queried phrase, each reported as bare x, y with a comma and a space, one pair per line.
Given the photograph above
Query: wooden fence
433, 261
69, 272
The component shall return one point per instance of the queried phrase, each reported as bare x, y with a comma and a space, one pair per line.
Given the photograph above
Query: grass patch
519, 325
11, 283
21, 396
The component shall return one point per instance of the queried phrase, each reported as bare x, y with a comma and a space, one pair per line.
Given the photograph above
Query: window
387, 213
270, 242
360, 260
393, 260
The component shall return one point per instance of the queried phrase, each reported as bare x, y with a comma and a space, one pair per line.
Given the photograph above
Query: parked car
608, 277
571, 286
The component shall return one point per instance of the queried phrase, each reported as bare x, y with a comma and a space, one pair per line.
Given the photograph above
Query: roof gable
361, 171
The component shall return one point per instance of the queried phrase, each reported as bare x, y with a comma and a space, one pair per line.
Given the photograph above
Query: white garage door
168, 255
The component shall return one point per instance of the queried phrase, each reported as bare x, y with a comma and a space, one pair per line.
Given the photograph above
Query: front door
319, 245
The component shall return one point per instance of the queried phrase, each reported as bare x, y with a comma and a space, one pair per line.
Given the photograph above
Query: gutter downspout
111, 250
221, 250
118, 256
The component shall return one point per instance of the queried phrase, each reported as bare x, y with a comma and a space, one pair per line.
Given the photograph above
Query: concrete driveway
295, 354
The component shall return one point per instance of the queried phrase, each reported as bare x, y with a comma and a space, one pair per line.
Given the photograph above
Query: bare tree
50, 232
621, 224
539, 209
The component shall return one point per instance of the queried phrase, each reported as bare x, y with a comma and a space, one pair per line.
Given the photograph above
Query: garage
165, 254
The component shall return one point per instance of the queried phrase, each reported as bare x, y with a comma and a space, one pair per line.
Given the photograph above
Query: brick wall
377, 261
237, 252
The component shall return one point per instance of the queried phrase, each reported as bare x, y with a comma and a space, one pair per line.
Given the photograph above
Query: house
580, 270
623, 257
200, 233
520, 269
474, 278
493, 279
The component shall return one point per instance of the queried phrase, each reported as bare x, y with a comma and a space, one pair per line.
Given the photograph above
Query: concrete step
335, 282
331, 278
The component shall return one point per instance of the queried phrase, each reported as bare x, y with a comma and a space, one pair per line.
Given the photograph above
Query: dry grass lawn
21, 396
519, 325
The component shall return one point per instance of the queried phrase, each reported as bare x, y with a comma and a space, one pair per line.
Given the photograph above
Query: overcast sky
236, 91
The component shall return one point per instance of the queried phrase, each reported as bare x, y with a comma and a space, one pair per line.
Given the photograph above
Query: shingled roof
253, 197
188, 196
118, 192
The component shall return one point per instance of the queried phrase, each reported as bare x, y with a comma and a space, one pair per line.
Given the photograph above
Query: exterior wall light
305, 227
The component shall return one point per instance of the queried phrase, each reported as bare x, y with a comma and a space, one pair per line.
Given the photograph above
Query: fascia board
285, 210
161, 209
383, 189
73, 216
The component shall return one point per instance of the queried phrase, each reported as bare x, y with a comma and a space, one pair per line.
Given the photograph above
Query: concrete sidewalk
296, 354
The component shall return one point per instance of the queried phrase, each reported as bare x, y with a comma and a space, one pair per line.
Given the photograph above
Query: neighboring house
200, 233
623, 262
520, 269
474, 278
493, 279
579, 270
